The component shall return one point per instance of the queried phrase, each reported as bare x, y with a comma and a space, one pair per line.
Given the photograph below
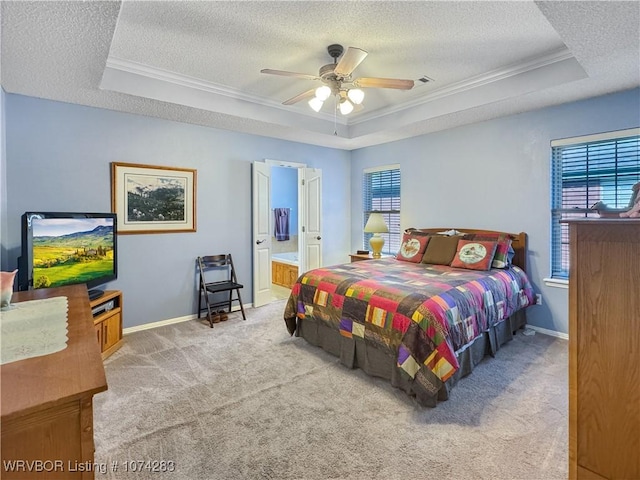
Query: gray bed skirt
356, 353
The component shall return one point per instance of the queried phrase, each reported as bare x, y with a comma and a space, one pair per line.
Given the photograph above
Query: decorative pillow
474, 254
412, 248
501, 258
440, 250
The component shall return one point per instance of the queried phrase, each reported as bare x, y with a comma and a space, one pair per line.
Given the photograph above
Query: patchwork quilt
421, 314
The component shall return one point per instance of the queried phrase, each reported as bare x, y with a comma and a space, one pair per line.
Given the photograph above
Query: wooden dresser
47, 401
604, 349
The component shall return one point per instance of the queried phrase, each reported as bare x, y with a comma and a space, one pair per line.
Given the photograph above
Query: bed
422, 326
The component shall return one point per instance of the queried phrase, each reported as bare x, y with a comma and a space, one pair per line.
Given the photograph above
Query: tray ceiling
199, 61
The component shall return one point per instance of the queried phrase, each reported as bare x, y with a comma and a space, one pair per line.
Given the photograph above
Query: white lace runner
33, 328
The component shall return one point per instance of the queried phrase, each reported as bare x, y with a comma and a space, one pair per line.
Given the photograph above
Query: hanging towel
281, 223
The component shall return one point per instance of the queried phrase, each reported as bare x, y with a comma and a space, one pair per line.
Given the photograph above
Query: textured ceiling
199, 61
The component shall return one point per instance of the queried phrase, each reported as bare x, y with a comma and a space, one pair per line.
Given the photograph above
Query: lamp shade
322, 93
376, 224
346, 107
315, 103
356, 96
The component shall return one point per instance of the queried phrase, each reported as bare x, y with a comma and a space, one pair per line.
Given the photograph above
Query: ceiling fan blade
396, 83
349, 61
302, 96
289, 74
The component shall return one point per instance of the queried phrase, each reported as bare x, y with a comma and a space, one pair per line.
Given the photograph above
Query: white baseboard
161, 323
551, 333
171, 321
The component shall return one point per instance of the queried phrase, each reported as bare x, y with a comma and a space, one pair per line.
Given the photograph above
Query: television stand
107, 320
95, 293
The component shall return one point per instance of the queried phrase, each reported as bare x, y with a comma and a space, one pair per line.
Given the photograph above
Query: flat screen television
62, 248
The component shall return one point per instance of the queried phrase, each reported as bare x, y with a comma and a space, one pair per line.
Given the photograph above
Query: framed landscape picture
153, 199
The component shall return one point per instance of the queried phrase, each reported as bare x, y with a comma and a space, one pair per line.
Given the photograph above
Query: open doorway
287, 196
285, 236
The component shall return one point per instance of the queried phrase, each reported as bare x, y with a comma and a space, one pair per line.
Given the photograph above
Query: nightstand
359, 257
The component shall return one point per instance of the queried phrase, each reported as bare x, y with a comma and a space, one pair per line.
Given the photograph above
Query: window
381, 193
585, 171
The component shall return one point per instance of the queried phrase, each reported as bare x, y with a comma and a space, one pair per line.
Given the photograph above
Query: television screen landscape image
67, 251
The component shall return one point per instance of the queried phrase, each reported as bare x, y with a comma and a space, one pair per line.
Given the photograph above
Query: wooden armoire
604, 349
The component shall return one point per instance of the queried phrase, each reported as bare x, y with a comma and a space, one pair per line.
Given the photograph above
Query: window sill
556, 282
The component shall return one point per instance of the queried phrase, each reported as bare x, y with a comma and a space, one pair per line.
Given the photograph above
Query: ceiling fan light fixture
346, 107
316, 104
322, 93
338, 82
356, 96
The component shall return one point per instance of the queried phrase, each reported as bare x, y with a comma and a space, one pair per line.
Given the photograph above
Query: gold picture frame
153, 198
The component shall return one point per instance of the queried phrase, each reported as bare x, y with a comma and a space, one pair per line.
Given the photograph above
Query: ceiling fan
338, 82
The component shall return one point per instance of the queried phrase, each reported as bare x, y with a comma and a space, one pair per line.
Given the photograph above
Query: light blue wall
494, 175
58, 159
284, 193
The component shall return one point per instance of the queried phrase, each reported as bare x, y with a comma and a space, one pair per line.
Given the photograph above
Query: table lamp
376, 225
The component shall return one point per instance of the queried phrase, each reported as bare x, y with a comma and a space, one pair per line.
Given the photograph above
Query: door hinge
303, 230
303, 181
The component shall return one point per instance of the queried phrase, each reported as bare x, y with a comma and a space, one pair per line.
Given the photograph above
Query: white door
310, 196
261, 233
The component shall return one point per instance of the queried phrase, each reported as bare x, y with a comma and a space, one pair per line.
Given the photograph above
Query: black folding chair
218, 276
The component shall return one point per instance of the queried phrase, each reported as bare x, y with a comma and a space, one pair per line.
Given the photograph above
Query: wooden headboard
518, 242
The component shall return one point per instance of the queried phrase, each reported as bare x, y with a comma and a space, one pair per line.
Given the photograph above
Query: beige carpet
246, 401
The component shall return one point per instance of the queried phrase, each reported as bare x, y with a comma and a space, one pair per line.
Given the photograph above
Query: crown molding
186, 81
471, 83
168, 76
139, 79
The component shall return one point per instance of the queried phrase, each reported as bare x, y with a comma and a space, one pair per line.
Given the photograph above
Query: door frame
298, 166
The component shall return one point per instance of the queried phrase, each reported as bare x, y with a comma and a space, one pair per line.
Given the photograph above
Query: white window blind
601, 168
381, 193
